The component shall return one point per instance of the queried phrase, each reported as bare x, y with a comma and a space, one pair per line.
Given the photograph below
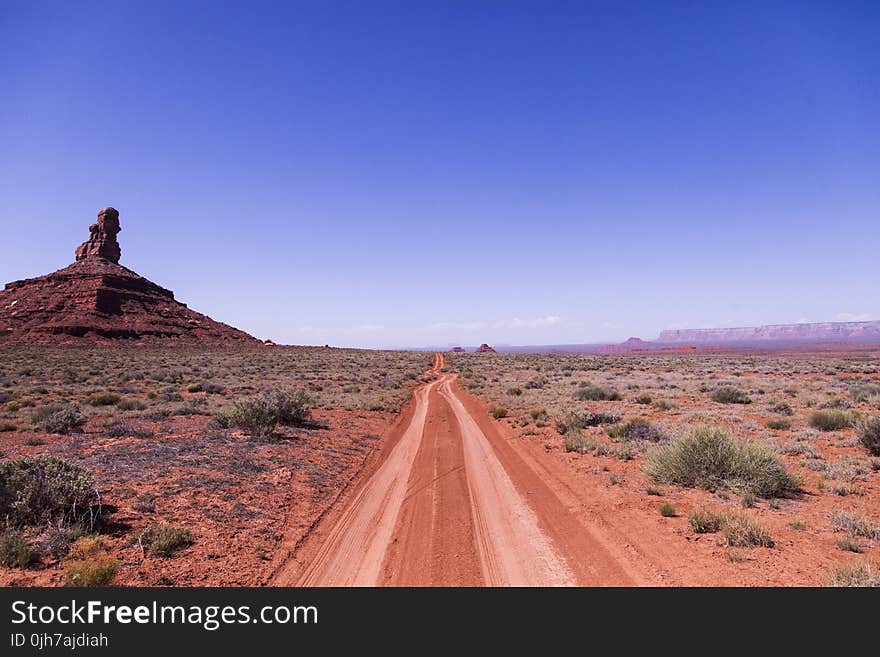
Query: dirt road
450, 503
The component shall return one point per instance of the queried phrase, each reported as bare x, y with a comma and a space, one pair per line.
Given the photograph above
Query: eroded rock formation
96, 299
102, 239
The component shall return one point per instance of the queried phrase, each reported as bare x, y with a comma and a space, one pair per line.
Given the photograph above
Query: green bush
710, 458
498, 412
166, 540
731, 395
42, 488
14, 550
130, 405
832, 419
261, 414
869, 435
58, 418
779, 425
103, 399
667, 510
589, 392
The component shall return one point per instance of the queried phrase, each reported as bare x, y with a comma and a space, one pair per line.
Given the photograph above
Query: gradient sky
413, 173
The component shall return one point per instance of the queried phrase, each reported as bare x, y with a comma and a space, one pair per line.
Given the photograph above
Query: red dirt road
450, 503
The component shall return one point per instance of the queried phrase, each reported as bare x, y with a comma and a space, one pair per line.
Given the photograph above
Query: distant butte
98, 300
485, 349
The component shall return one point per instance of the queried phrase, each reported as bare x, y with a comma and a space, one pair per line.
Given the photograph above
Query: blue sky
405, 174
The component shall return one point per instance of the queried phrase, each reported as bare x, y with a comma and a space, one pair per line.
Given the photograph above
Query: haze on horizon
454, 173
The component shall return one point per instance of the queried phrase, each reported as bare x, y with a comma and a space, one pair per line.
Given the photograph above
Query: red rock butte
485, 349
98, 300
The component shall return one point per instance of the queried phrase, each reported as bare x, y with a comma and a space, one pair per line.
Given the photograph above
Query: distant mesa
457, 350
98, 300
774, 336
817, 332
485, 349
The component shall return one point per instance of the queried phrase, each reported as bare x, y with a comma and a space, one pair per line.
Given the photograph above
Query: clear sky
415, 173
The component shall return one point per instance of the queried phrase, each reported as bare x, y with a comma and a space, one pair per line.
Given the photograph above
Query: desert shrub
589, 392
574, 421
742, 531
854, 525
576, 442
130, 405
848, 544
782, 408
710, 458
89, 564
801, 448
515, 391
865, 393
778, 425
165, 540
869, 435
538, 414
103, 399
637, 429
855, 576
663, 405
706, 522
731, 395
8, 427
667, 510
644, 399
58, 418
836, 402
59, 537
261, 414
498, 412
15, 552
145, 503
116, 429
291, 407
832, 419
36, 489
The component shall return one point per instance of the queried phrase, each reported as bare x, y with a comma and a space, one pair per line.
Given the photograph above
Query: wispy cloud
514, 323
855, 317
539, 322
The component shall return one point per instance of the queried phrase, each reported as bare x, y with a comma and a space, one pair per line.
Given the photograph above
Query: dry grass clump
89, 564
